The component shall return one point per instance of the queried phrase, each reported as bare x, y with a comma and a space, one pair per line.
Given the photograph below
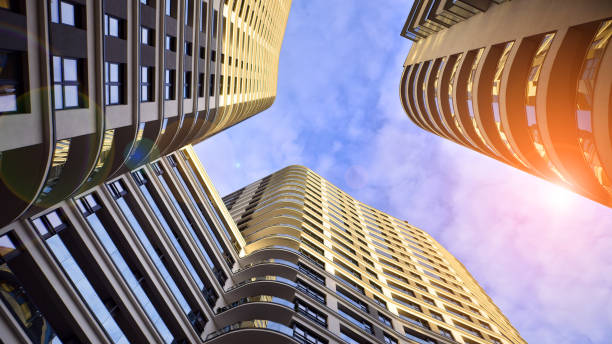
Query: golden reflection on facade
382, 260
584, 99
531, 93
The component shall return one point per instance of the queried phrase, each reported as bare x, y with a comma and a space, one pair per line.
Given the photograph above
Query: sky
542, 253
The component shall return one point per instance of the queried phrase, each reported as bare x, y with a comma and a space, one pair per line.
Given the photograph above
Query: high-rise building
526, 82
363, 275
92, 89
154, 256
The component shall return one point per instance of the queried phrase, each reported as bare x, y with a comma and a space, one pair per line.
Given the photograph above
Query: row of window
60, 238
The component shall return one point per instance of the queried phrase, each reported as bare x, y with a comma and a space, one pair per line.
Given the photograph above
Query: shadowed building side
92, 89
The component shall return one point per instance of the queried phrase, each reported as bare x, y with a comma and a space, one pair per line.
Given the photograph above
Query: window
188, 48
311, 312
113, 83
144, 2
310, 291
187, 85
15, 297
380, 301
445, 333
350, 337
146, 84
468, 329
11, 83
49, 227
65, 82
211, 88
352, 299
147, 36
413, 319
389, 339
384, 319
418, 337
214, 24
436, 316
117, 188
113, 27
169, 76
63, 12
201, 85
355, 319
170, 8
170, 43
376, 286
311, 273
306, 336
202, 52
90, 207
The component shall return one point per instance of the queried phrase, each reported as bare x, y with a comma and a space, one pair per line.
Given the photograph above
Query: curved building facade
376, 278
532, 93
92, 89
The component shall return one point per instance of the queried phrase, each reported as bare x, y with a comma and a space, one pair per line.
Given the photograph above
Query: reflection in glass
128, 275
454, 119
530, 101
584, 103
470, 100
495, 92
173, 239
85, 289
17, 300
60, 156
144, 240
437, 83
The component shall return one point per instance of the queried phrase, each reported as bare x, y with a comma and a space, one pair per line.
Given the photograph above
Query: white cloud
546, 264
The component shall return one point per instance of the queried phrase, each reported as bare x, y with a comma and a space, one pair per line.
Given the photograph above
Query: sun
558, 197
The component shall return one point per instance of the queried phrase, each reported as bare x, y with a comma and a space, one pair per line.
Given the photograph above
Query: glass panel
144, 90
171, 236
54, 11
113, 27
71, 96
144, 35
8, 98
129, 277
70, 69
57, 69
114, 94
114, 72
144, 240
67, 11
87, 292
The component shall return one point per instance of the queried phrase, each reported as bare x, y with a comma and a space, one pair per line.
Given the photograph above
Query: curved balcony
265, 285
279, 228
256, 307
276, 267
274, 251
253, 331
273, 240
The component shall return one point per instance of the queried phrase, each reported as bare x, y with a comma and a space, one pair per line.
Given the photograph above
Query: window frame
66, 83
108, 84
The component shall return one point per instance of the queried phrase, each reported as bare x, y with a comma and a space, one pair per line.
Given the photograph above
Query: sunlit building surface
154, 256
526, 82
362, 276
90, 90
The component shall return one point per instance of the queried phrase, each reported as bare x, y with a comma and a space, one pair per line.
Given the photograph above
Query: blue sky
543, 254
